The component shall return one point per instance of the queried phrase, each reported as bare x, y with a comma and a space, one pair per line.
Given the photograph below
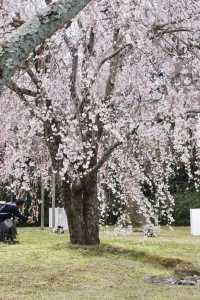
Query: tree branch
112, 55
20, 92
108, 153
107, 58
24, 91
74, 70
32, 76
17, 47
162, 29
194, 111
73, 80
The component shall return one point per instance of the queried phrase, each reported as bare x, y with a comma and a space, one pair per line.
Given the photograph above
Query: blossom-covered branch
109, 152
15, 49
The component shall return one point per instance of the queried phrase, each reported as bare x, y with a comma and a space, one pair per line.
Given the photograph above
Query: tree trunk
81, 205
136, 217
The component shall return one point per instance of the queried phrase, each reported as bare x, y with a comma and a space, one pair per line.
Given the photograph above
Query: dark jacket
9, 210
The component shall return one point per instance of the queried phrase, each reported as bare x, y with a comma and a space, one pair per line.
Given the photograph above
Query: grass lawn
45, 266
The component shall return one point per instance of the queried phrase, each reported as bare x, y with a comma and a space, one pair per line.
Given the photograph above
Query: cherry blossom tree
108, 96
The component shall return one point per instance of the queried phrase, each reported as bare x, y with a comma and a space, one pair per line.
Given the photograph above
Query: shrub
183, 202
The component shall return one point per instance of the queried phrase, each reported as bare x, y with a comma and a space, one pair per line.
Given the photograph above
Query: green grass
45, 266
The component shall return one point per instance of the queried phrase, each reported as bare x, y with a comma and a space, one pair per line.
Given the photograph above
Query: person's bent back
12, 210
9, 212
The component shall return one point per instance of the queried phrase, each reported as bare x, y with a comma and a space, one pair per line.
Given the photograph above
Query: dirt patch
186, 269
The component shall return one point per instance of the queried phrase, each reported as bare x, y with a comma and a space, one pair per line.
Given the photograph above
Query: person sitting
9, 214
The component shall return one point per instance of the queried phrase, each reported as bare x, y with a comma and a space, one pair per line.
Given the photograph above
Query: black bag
8, 231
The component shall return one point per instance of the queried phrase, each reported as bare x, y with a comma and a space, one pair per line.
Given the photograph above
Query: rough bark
15, 50
81, 206
91, 211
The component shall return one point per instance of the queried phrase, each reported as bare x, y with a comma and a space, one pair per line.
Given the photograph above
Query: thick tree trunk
81, 205
91, 210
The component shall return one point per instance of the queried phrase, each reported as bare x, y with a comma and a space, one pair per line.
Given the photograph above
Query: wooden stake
42, 205
53, 198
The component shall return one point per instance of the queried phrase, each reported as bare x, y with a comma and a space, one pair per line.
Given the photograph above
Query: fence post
42, 205
53, 191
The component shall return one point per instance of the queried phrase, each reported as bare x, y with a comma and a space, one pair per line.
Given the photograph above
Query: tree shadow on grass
106, 249
178, 265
